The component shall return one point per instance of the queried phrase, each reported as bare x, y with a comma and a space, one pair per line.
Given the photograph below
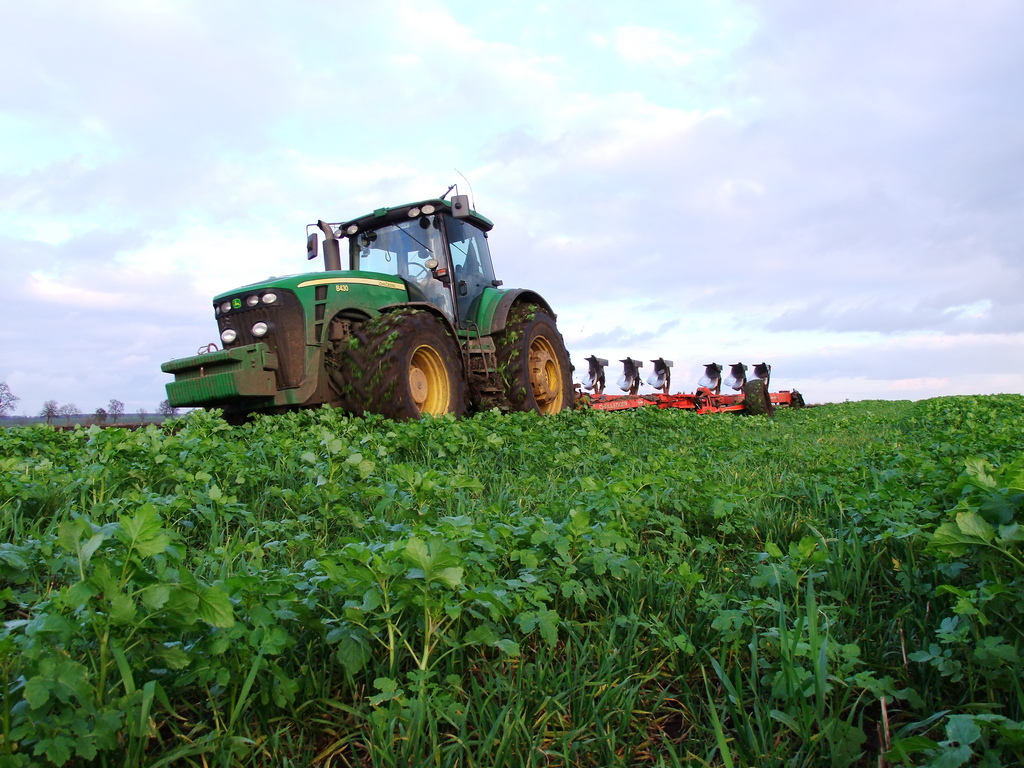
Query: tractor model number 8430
407, 319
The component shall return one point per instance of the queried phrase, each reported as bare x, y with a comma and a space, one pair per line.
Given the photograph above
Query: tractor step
481, 360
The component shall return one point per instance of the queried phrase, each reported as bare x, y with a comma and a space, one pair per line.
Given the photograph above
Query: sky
833, 188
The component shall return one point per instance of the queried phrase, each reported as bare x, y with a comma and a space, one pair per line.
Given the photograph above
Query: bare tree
115, 408
166, 409
68, 410
50, 411
143, 413
7, 399
100, 417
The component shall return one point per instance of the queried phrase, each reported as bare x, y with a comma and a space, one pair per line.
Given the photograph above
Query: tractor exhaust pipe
332, 249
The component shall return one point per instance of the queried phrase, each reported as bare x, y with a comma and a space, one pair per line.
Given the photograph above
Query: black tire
756, 399
402, 365
535, 370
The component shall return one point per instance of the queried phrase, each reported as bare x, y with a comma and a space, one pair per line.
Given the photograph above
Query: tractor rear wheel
535, 370
756, 398
403, 365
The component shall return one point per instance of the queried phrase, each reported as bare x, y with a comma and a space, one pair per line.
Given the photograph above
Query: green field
640, 588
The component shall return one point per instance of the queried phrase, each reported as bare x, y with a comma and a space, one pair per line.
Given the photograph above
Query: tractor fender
499, 316
425, 306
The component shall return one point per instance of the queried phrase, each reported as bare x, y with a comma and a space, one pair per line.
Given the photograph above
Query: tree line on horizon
52, 409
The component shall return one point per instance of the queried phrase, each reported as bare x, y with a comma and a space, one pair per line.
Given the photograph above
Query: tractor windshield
403, 249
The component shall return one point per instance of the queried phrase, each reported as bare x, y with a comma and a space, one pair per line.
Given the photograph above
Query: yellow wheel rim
546, 376
429, 383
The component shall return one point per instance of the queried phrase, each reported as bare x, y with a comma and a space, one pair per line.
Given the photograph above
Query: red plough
752, 395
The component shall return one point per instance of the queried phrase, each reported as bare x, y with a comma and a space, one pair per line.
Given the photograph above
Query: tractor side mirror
312, 246
439, 273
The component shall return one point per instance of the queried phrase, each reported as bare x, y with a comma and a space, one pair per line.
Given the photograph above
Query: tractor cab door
407, 249
471, 265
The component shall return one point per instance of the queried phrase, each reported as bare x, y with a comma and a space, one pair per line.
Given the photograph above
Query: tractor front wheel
402, 365
535, 369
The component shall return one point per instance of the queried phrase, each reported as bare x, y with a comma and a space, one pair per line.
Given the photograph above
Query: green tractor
410, 321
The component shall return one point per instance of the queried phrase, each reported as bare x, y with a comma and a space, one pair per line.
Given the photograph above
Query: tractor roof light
737, 377
414, 212
269, 298
662, 376
594, 379
630, 379
352, 229
253, 300
712, 378
225, 307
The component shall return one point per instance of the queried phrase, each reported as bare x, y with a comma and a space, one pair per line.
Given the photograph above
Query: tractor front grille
286, 336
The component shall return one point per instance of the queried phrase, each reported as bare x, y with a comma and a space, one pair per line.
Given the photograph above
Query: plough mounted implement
751, 396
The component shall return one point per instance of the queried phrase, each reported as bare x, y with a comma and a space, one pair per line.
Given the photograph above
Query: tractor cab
438, 249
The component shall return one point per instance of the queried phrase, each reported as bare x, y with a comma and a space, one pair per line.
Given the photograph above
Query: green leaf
79, 594
682, 642
450, 577
980, 470
90, 547
773, 549
963, 729
547, 622
949, 538
37, 691
1011, 532
484, 634
156, 596
57, 749
416, 552
974, 525
388, 690
353, 653
174, 656
144, 533
903, 749
215, 607
122, 609
507, 646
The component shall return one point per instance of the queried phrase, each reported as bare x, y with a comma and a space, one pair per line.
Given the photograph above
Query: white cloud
660, 47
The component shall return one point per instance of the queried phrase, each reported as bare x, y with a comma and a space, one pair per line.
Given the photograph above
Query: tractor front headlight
225, 307
260, 329
269, 298
253, 300
228, 335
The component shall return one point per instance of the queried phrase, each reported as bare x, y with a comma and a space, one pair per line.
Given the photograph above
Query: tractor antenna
453, 186
471, 195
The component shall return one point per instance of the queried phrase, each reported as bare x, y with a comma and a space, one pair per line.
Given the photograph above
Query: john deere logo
236, 303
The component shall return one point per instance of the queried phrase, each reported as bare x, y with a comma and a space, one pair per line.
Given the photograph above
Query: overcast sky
835, 188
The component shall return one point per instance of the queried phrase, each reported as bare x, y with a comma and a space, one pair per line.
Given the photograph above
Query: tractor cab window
471, 262
403, 249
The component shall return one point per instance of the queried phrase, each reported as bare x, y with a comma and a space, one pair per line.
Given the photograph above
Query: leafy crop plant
837, 586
